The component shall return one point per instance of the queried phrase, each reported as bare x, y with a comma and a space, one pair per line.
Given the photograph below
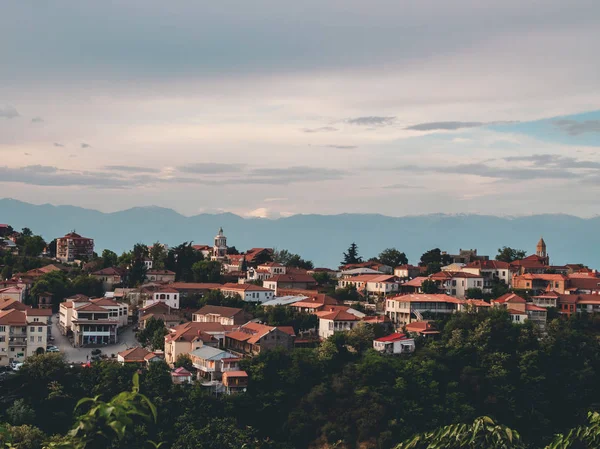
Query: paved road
126, 340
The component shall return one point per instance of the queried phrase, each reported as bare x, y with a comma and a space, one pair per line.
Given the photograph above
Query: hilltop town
205, 311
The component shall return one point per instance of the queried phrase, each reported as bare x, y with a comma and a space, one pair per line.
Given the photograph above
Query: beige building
74, 247
188, 337
109, 277
20, 336
160, 276
92, 321
216, 314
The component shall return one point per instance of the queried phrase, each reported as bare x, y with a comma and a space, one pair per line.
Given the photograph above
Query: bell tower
540, 251
220, 246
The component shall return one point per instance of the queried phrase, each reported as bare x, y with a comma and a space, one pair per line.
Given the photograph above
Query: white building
491, 271
168, 295
248, 292
265, 271
335, 320
456, 283
372, 284
394, 344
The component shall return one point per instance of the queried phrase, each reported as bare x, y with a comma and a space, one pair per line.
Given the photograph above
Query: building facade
74, 247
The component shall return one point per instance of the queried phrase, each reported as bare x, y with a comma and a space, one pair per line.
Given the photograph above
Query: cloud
8, 111
323, 129
575, 128
342, 147
273, 200
208, 168
290, 175
37, 120
131, 169
85, 145
56, 144
399, 187
261, 212
371, 121
446, 126
27, 154
49, 176
554, 160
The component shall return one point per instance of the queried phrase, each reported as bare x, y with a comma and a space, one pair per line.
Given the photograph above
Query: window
12, 349
31, 339
39, 329
2, 328
36, 319
32, 329
39, 339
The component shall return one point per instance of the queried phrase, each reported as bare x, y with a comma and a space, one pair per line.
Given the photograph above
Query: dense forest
341, 394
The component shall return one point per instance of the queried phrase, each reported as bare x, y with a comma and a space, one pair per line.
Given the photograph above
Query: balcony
17, 341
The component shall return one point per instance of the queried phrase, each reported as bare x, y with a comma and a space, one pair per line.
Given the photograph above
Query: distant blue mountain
320, 238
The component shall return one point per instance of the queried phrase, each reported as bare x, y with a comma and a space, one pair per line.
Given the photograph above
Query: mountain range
320, 238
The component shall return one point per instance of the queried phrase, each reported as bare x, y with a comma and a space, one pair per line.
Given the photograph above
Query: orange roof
11, 303
543, 277
38, 312
91, 308
218, 310
533, 307
235, 373
337, 315
195, 285
516, 312
13, 317
510, 297
416, 282
105, 302
420, 326
137, 354
299, 278
372, 278
163, 272
423, 297
110, 271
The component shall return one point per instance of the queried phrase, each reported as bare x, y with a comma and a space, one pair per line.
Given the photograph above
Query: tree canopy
392, 257
351, 256
508, 254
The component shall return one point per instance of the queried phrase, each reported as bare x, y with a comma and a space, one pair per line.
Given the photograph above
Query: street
71, 354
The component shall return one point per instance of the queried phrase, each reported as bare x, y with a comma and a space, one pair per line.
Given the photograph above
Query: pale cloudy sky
270, 108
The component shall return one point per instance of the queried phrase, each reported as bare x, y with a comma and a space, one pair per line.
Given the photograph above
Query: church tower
220, 247
540, 251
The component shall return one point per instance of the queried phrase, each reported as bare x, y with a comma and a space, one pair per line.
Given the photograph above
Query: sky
271, 108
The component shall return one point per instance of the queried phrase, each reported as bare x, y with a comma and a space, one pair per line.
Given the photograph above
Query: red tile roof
392, 337
510, 297
336, 315
292, 279
245, 287
13, 317
135, 355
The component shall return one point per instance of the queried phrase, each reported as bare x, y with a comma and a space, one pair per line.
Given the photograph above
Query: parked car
52, 348
96, 351
16, 366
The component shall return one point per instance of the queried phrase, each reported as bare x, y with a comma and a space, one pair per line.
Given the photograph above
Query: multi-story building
264, 271
541, 282
407, 271
372, 284
160, 276
212, 362
21, 336
299, 281
405, 309
332, 320
253, 338
167, 294
520, 310
456, 283
218, 314
248, 292
110, 277
188, 337
74, 247
92, 321
491, 271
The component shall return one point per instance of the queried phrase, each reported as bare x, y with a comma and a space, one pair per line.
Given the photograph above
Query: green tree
184, 360
22, 437
288, 259
55, 282
87, 285
207, 271
33, 245
430, 287
392, 257
351, 256
474, 293
158, 339
348, 293
20, 413
181, 260
6, 272
158, 254
508, 254
109, 258
434, 260
52, 248
484, 433
152, 325
26, 232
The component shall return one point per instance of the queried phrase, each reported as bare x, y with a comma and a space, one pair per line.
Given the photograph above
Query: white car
52, 349
16, 366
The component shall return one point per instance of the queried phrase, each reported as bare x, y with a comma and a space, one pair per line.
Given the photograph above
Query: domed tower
540, 251
220, 247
